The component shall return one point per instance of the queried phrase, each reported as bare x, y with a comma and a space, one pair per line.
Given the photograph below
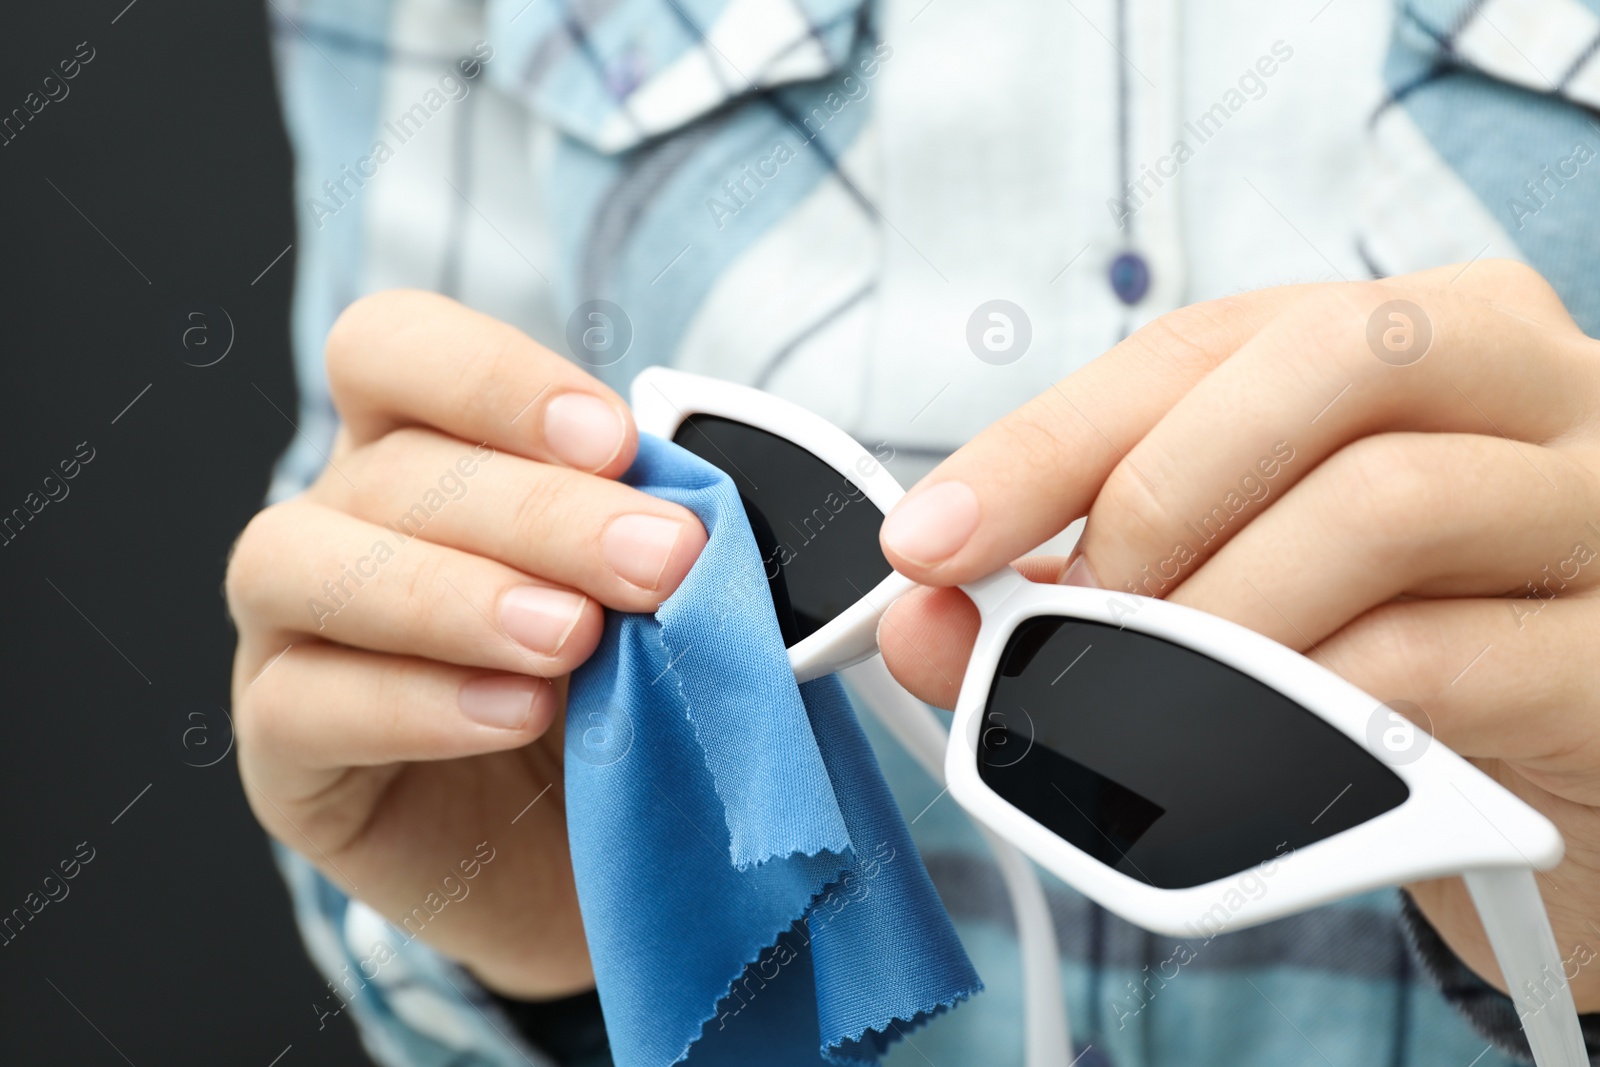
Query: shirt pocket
616, 73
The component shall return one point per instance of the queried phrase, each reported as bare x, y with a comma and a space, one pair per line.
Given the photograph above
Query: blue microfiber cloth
749, 889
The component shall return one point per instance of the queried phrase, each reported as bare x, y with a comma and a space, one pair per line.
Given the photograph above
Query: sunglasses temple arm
1514, 917
991, 590
852, 636
919, 731
916, 728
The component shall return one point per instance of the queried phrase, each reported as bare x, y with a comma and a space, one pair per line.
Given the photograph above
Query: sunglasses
1184, 772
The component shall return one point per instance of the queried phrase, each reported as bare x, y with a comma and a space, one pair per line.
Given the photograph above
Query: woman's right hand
406, 625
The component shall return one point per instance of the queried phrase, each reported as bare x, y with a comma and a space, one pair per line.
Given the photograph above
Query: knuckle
547, 507
421, 582
1141, 519
1029, 433
1196, 337
1513, 283
392, 459
496, 370
400, 477
1324, 333
250, 726
1378, 489
393, 690
1515, 274
249, 568
1328, 318
363, 326
351, 335
261, 725
1398, 652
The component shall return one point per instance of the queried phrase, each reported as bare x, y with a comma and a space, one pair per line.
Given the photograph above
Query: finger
323, 733
1418, 514
1510, 679
403, 358
989, 502
305, 568
325, 707
1306, 386
627, 549
926, 636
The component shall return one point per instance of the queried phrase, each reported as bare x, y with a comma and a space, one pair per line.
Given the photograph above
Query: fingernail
501, 701
1080, 573
540, 618
932, 525
583, 431
638, 546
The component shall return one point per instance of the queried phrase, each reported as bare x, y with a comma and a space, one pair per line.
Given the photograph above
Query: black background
176, 941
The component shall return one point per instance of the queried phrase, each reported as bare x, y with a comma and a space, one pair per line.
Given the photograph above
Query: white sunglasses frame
1455, 820
663, 399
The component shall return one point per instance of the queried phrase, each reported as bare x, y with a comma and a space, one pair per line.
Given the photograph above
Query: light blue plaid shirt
813, 196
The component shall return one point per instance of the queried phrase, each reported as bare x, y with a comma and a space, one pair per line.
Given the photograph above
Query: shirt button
1130, 277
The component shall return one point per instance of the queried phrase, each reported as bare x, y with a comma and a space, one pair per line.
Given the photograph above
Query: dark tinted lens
817, 531
1162, 763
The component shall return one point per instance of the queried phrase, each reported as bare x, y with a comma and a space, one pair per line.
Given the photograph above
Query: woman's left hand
1400, 479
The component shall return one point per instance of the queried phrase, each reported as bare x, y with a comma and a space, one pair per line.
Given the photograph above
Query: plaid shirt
817, 196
